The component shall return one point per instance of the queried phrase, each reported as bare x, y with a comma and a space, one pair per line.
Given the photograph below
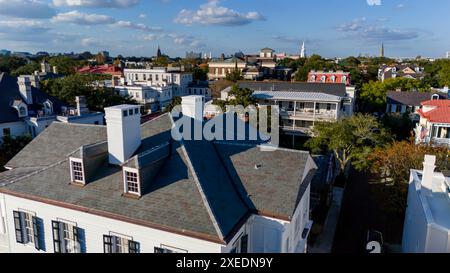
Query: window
22, 111
169, 249
328, 106
136, 111
66, 237
119, 244
302, 105
27, 229
241, 245
125, 113
132, 182
145, 77
77, 171
6, 132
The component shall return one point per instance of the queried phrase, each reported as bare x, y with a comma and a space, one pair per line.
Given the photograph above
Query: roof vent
257, 166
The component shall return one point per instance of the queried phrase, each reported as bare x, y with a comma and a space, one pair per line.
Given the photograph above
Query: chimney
81, 105
25, 89
124, 132
192, 106
55, 70
428, 172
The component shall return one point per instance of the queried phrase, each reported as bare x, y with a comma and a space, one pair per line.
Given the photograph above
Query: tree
27, 69
351, 139
235, 75
241, 96
200, 74
97, 97
64, 64
11, 63
400, 125
10, 147
373, 94
444, 74
175, 101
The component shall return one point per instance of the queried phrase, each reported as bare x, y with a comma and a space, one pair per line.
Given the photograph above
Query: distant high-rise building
193, 55
382, 51
303, 51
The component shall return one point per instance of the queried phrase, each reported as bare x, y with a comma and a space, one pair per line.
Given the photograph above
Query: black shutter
36, 233
244, 244
107, 244
159, 250
19, 227
133, 247
57, 241
76, 235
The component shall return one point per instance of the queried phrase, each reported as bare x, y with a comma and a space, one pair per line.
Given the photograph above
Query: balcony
308, 114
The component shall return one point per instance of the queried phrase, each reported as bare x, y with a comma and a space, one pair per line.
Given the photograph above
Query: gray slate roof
204, 189
410, 98
334, 89
9, 93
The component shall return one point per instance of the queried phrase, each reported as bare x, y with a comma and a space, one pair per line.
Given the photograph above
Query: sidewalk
324, 243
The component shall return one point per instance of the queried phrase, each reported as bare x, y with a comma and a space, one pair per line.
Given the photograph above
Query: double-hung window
28, 229
132, 182
66, 237
77, 171
119, 244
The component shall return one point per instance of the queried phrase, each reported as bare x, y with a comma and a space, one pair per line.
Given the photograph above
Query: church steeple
382, 51
303, 51
158, 54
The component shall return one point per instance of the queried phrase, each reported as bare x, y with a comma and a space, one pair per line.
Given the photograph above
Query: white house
302, 104
427, 222
25, 109
155, 88
127, 187
434, 125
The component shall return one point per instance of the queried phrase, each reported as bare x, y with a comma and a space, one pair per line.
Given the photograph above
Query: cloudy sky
135, 27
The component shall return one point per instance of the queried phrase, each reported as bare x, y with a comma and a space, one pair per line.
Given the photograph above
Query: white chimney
81, 105
25, 89
428, 172
124, 132
192, 106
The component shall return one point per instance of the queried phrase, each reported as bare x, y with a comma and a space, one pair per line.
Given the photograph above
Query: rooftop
334, 89
204, 189
410, 98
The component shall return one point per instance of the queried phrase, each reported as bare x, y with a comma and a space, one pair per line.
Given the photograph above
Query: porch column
337, 109
314, 116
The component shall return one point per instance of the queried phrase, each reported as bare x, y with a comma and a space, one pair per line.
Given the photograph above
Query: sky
331, 28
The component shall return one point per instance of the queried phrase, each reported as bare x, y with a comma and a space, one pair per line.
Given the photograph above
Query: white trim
125, 181
72, 177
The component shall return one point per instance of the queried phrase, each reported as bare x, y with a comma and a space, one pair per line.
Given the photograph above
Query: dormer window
22, 112
77, 171
132, 182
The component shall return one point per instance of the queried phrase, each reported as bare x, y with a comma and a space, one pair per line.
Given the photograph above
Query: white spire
302, 52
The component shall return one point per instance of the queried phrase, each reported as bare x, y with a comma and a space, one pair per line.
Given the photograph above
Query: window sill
132, 196
78, 184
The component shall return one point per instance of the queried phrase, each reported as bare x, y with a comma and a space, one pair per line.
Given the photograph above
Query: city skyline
136, 28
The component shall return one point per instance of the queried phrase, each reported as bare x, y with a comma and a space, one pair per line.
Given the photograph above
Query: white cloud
374, 2
79, 18
97, 3
213, 14
128, 24
26, 9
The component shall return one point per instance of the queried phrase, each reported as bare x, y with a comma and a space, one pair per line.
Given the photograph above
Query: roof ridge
199, 187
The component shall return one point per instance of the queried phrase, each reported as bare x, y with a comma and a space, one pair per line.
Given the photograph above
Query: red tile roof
440, 114
105, 69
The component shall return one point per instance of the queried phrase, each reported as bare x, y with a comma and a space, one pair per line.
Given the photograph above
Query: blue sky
135, 27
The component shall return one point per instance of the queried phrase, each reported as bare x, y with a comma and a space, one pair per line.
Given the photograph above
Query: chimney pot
429, 166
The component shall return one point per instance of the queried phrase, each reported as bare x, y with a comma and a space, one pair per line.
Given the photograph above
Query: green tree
175, 101
11, 63
27, 69
444, 74
235, 75
97, 97
351, 139
200, 74
64, 64
241, 96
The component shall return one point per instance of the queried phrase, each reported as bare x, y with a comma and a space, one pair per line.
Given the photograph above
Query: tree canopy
9, 147
351, 139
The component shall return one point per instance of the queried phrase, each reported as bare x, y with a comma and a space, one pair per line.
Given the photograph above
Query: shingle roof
9, 92
409, 98
440, 114
334, 89
204, 189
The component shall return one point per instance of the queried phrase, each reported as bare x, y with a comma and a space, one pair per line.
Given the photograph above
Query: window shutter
19, 228
36, 233
244, 244
133, 247
57, 243
159, 250
107, 244
76, 235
